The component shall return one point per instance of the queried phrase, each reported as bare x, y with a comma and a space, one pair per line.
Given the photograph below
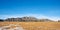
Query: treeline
26, 19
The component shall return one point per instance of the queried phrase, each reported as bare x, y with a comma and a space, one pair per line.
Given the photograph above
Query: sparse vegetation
33, 25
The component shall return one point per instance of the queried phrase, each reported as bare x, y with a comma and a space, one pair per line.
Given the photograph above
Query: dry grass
35, 25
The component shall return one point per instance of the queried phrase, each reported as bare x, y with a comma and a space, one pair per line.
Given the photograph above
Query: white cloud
40, 16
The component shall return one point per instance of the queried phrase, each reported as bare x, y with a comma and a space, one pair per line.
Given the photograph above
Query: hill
28, 19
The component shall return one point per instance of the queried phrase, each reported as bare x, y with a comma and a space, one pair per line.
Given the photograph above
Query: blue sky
46, 8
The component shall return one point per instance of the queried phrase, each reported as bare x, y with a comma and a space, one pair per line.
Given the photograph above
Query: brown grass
35, 25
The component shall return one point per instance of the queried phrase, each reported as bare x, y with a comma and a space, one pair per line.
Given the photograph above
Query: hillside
27, 19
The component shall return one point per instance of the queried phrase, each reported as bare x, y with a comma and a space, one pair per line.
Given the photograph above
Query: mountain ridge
27, 19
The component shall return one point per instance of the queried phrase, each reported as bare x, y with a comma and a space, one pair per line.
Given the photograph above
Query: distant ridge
27, 19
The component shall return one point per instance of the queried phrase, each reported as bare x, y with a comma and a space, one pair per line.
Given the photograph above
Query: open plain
30, 25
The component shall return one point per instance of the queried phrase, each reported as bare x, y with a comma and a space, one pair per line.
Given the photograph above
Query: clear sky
45, 8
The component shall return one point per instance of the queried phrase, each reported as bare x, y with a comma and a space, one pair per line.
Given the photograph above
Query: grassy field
35, 25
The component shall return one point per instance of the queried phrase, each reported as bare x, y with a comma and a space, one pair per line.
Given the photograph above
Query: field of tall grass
34, 25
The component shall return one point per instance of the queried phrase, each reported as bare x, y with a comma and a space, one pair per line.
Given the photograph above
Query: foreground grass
35, 25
